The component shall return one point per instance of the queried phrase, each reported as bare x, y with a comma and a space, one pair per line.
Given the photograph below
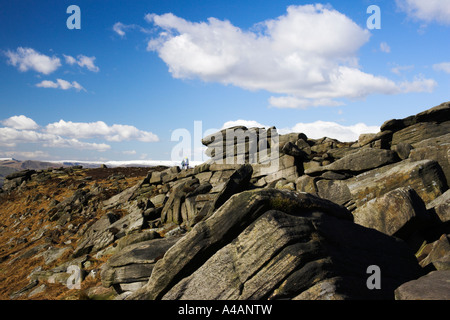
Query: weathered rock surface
393, 212
441, 206
433, 286
363, 160
134, 263
276, 244
436, 254
425, 177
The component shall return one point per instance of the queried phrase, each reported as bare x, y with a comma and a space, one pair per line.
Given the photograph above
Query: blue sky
137, 71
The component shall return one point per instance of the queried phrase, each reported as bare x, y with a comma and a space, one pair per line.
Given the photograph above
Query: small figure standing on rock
185, 164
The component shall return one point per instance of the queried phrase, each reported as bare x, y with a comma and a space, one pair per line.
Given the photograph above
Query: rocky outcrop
278, 244
15, 179
269, 216
131, 267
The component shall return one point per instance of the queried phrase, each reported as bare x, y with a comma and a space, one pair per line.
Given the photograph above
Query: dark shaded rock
25, 174
403, 149
293, 150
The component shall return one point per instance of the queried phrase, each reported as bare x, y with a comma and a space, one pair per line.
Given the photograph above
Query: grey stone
433, 286
400, 212
363, 160
135, 262
441, 206
425, 177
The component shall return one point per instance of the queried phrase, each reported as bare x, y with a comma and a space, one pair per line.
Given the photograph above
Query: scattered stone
433, 286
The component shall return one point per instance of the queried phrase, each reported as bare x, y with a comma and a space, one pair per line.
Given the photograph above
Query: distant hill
8, 166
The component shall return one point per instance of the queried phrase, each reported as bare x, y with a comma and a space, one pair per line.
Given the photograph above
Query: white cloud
60, 142
309, 55
320, 129
399, 69
62, 134
20, 122
290, 102
70, 60
84, 130
444, 66
83, 61
29, 155
29, 59
121, 29
384, 47
420, 84
60, 84
129, 152
428, 11
315, 130
10, 137
245, 123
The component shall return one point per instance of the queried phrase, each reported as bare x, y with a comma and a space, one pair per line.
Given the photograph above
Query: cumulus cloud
60, 84
29, 59
420, 84
62, 134
245, 123
20, 122
428, 11
10, 137
444, 66
315, 130
82, 61
84, 130
308, 55
320, 129
29, 155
